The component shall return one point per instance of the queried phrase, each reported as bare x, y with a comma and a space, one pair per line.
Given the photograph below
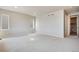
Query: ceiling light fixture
32, 39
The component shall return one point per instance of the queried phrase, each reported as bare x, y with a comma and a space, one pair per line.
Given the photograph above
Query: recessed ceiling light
32, 39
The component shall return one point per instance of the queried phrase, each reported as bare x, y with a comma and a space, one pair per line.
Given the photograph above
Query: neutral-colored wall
69, 25
66, 24
18, 23
51, 25
78, 26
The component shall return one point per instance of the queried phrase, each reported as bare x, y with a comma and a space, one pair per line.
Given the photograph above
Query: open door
73, 26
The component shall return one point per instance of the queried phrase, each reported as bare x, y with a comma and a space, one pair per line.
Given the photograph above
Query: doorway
73, 26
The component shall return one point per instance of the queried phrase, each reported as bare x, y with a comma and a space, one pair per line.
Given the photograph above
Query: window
4, 22
0, 22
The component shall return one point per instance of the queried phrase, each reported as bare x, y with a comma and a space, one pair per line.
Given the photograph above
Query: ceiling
39, 10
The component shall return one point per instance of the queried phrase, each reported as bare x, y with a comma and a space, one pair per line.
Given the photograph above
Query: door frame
77, 26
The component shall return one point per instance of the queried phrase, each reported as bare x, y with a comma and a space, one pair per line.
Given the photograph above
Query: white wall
51, 25
19, 23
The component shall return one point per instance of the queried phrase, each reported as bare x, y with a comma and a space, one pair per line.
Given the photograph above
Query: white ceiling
39, 10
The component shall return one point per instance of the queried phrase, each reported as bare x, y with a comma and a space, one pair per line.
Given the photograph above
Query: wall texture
66, 24
52, 24
18, 23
